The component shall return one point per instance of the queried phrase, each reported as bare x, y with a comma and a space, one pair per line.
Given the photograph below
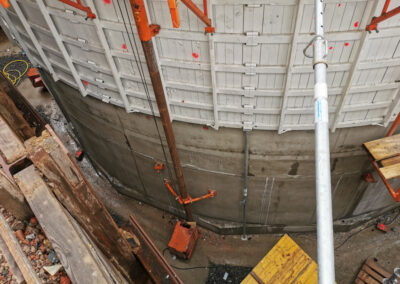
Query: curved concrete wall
281, 168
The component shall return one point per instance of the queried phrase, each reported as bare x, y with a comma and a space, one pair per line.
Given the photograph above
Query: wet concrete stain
293, 169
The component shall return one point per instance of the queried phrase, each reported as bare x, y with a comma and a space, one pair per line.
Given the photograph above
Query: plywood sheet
286, 262
384, 148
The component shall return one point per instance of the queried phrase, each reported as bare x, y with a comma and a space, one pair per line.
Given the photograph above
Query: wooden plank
11, 113
12, 199
16, 251
10, 145
391, 161
11, 262
358, 281
74, 254
392, 171
375, 266
366, 278
372, 273
79, 198
384, 148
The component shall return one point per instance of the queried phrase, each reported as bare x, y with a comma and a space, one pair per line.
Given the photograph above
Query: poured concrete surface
221, 249
281, 184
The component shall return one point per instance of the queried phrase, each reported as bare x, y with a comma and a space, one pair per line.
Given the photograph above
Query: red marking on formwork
205, 127
183, 101
331, 47
124, 46
107, 1
346, 44
148, 116
356, 24
195, 55
85, 82
340, 4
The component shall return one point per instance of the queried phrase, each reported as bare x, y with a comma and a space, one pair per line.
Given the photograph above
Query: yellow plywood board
384, 148
285, 263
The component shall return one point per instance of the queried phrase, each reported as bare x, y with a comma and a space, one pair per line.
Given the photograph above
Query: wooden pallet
372, 273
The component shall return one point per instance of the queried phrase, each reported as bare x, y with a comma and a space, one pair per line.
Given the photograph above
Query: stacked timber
39, 177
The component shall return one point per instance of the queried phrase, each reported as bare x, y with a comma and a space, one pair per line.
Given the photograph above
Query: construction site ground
352, 248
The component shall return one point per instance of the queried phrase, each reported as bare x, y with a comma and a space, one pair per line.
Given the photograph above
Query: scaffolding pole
326, 266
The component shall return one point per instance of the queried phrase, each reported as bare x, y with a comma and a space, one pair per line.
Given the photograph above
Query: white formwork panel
250, 73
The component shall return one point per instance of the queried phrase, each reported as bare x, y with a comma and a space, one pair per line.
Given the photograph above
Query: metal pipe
325, 245
146, 32
246, 173
155, 77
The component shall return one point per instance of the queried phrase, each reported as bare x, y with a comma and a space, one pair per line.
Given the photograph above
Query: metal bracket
311, 42
78, 5
203, 16
384, 16
184, 201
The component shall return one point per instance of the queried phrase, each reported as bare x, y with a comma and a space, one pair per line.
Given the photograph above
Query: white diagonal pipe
326, 265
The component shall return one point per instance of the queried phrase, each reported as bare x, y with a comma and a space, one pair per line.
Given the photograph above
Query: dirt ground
352, 248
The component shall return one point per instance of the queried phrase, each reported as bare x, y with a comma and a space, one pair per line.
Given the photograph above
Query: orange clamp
146, 31
159, 167
78, 5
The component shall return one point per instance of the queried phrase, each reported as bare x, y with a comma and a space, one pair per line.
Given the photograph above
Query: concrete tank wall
281, 168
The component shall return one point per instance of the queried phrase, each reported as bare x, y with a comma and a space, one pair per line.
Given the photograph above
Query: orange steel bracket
203, 16
78, 5
5, 3
384, 16
146, 31
211, 193
158, 167
173, 8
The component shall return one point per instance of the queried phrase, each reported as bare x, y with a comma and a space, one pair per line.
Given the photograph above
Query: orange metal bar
146, 31
385, 7
202, 16
78, 5
394, 126
205, 8
211, 193
384, 16
5, 3
167, 184
395, 194
173, 8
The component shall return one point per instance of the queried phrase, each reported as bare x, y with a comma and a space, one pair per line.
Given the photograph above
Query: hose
15, 75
